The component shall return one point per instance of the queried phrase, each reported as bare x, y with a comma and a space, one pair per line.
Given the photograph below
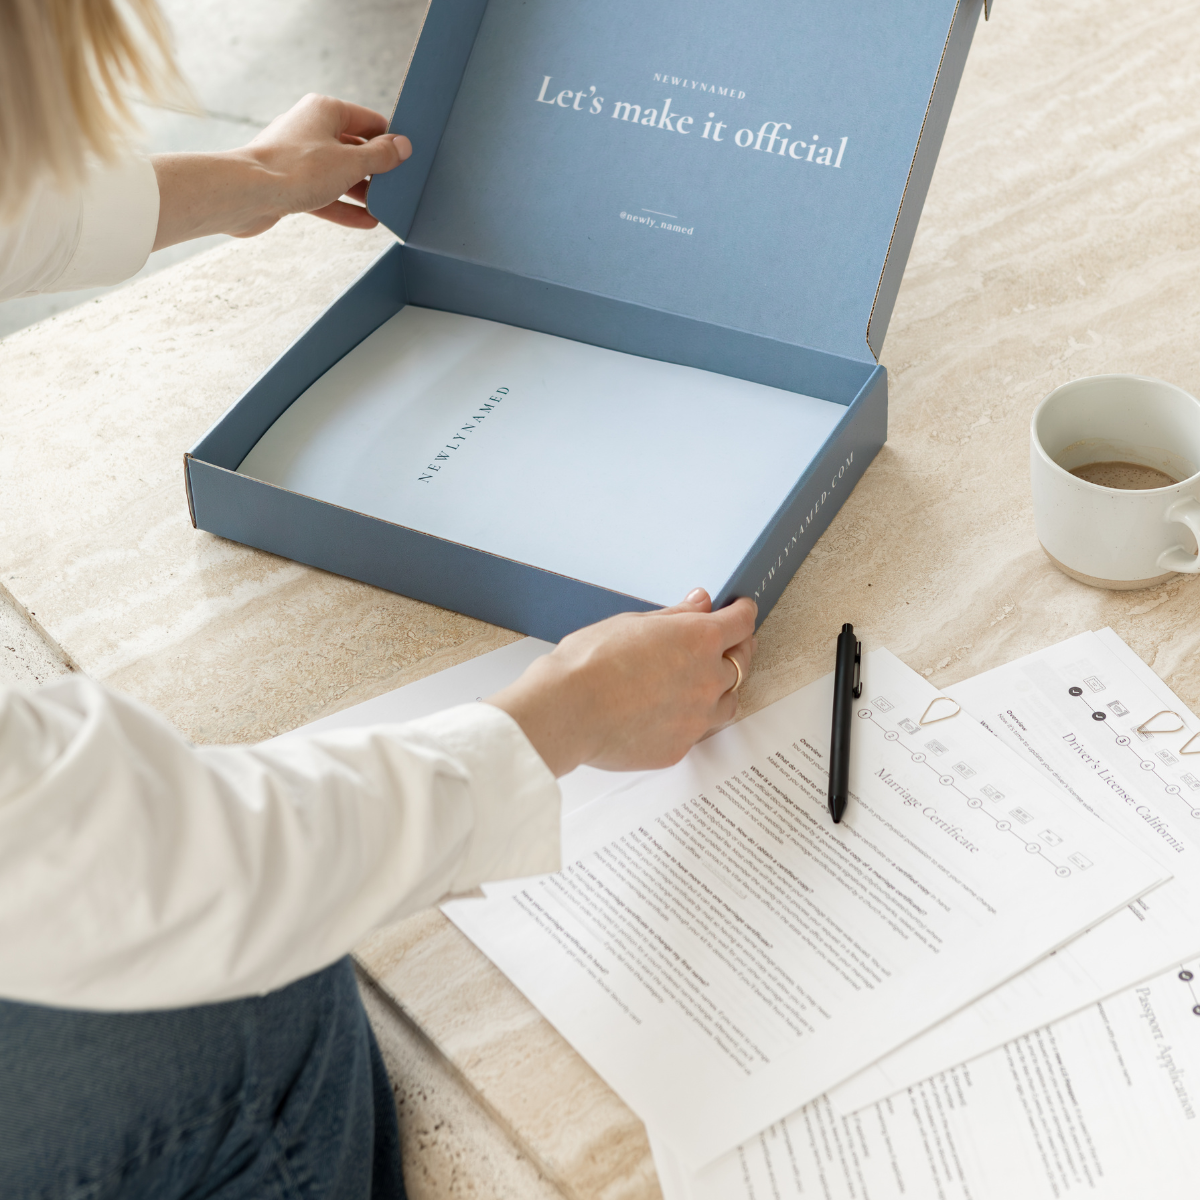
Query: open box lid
755, 164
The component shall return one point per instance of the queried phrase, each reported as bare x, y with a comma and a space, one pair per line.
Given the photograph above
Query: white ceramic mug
1105, 536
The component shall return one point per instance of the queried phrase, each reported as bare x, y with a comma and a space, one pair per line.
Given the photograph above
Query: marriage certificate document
722, 954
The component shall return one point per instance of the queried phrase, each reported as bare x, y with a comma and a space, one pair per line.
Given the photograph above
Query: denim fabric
276, 1097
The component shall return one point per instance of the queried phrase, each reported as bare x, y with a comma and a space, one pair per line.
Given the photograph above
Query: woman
179, 1017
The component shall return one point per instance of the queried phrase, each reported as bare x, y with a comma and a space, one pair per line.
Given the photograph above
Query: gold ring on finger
738, 668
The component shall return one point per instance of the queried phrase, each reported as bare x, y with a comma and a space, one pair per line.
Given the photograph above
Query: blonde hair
67, 68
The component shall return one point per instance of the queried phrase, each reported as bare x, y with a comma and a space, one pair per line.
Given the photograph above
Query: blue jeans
279, 1096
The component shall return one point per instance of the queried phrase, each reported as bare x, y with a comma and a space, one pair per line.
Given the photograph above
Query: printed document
727, 954
1101, 1105
626, 472
1072, 712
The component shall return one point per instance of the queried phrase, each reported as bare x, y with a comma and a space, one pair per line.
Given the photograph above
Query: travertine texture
582, 1136
453, 1147
27, 657
1061, 238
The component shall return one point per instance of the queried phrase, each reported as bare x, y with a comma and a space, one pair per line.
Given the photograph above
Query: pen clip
857, 689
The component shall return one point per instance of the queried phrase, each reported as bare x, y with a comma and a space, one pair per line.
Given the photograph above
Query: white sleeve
100, 234
138, 871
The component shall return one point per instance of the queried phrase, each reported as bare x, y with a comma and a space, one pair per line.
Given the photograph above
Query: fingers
725, 711
697, 600
726, 706
376, 157
381, 154
361, 121
737, 620
361, 130
352, 216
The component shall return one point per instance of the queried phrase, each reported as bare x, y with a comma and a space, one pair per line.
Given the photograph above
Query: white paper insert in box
644, 477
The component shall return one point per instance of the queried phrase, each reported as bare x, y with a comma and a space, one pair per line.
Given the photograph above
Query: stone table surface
1061, 238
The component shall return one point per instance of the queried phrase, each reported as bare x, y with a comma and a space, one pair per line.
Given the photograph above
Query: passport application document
1102, 1105
722, 954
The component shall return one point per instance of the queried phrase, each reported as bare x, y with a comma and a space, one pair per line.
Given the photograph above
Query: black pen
847, 686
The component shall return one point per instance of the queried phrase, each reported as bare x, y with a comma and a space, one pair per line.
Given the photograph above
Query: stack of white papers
722, 954
1103, 1101
981, 985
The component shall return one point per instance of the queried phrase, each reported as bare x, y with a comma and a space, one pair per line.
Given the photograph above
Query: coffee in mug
1128, 477
1115, 466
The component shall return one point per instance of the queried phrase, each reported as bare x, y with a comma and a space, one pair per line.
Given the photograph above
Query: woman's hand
636, 691
304, 161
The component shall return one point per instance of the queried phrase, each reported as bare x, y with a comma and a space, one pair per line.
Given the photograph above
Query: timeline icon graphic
1125, 742
974, 802
1188, 976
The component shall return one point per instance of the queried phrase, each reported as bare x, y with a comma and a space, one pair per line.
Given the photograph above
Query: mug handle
1186, 512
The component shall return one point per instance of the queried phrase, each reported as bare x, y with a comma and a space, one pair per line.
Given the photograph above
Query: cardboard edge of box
518, 596
920, 174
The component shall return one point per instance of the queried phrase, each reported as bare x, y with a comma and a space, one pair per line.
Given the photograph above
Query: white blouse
67, 240
138, 871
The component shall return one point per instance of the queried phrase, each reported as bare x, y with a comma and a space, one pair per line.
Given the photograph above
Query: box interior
742, 165
639, 476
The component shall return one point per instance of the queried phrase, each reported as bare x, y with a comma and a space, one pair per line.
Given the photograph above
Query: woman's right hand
306, 160
638, 690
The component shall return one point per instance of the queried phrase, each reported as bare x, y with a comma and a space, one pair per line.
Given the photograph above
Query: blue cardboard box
731, 186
